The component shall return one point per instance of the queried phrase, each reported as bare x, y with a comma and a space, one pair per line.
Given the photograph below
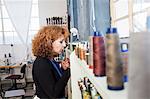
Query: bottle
85, 93
97, 96
84, 85
93, 91
5, 60
9, 58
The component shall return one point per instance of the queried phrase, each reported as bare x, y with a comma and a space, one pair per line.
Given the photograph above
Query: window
121, 21
121, 13
7, 31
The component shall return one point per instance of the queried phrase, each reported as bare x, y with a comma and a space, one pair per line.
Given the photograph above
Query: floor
29, 92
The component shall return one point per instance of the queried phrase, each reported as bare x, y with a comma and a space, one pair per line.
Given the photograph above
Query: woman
50, 79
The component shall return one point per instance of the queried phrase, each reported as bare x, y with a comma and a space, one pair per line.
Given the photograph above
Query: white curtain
19, 12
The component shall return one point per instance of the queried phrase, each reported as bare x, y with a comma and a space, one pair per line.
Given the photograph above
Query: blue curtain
88, 16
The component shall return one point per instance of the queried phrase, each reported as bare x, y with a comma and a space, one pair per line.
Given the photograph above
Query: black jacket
49, 85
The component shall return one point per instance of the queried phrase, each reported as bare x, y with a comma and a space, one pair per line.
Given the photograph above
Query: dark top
49, 84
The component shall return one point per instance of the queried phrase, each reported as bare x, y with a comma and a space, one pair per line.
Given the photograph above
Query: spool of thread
90, 52
98, 55
82, 52
86, 49
114, 69
77, 50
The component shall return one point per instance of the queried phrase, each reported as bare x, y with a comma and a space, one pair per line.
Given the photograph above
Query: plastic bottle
93, 91
9, 58
5, 59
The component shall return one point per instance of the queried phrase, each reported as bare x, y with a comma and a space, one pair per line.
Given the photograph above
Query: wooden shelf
9, 66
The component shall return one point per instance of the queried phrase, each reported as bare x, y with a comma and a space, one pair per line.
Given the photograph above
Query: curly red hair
42, 42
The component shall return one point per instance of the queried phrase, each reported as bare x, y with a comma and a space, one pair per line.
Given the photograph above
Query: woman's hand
65, 63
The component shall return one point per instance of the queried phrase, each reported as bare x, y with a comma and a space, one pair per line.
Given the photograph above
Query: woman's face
58, 45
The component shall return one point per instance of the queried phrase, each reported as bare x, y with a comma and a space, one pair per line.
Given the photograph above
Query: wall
50, 8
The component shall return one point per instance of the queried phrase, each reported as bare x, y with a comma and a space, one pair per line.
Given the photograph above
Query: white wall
51, 8
18, 52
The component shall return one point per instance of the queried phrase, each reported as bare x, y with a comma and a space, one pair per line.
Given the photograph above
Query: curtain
89, 15
19, 12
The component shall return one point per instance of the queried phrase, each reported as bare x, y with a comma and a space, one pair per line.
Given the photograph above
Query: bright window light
10, 35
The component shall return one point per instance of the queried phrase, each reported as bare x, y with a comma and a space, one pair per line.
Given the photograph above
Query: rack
80, 69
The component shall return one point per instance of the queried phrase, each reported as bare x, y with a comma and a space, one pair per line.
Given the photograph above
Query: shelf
80, 69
